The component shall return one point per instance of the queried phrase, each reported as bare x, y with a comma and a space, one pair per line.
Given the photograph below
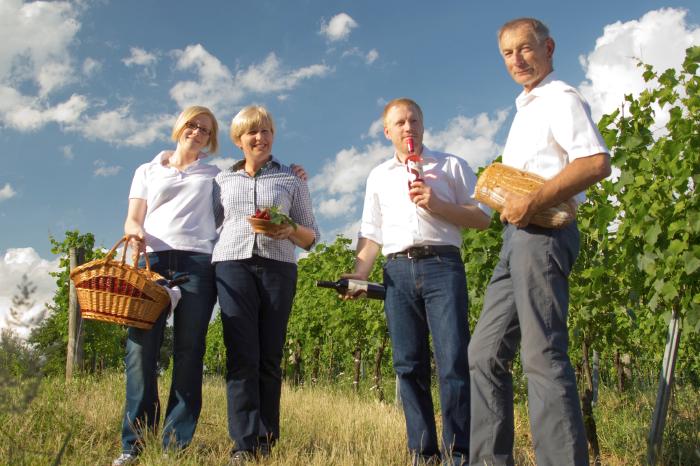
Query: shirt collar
273, 162
525, 97
425, 155
163, 157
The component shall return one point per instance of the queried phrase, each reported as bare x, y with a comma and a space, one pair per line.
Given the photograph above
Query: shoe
241, 458
264, 450
124, 459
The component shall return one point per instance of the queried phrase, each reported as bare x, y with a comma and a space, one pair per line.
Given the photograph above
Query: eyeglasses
194, 127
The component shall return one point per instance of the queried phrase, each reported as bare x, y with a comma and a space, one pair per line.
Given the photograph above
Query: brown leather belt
420, 252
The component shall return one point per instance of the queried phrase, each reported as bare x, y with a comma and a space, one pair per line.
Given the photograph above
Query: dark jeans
256, 297
429, 296
191, 322
526, 304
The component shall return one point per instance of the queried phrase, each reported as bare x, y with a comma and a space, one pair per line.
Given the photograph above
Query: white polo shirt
179, 212
391, 219
552, 128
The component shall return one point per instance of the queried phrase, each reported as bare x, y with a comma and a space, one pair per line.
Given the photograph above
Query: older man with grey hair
526, 302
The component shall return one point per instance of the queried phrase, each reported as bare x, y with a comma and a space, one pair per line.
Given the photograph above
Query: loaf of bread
497, 180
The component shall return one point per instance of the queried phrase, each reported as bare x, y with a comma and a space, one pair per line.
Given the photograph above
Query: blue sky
89, 90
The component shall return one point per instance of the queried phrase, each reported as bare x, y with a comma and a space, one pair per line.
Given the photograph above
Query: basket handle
124, 239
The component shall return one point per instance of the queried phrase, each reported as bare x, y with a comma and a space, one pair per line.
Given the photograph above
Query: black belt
419, 252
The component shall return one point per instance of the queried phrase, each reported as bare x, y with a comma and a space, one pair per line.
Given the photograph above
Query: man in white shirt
526, 301
418, 230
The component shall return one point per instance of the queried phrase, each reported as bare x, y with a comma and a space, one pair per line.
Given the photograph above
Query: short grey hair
538, 27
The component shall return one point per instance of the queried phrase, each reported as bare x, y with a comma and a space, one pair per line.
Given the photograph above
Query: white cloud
140, 57
348, 230
269, 76
215, 87
15, 263
347, 172
338, 28
222, 163
658, 38
120, 128
91, 67
144, 59
102, 169
472, 139
219, 89
7, 192
68, 152
35, 41
375, 130
342, 206
371, 56
27, 113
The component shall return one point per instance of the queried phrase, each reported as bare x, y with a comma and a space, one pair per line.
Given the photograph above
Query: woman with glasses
170, 216
256, 276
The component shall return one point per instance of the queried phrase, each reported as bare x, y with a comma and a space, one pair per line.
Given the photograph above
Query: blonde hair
190, 113
401, 101
250, 117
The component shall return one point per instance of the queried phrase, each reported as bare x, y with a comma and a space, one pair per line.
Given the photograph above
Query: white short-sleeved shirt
391, 219
552, 128
179, 212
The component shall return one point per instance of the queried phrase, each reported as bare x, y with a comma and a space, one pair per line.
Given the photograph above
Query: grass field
321, 425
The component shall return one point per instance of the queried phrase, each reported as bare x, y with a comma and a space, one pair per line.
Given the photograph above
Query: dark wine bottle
358, 288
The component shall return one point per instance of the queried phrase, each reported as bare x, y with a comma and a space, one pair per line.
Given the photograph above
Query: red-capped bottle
414, 164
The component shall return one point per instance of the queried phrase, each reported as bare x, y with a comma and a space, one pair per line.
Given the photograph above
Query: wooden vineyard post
397, 392
663, 396
74, 354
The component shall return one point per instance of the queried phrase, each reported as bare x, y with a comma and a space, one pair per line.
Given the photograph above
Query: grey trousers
526, 303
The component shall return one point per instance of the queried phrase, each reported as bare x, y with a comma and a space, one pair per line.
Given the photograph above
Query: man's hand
422, 195
517, 210
350, 295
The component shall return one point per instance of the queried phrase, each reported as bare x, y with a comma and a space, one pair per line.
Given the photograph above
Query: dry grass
320, 426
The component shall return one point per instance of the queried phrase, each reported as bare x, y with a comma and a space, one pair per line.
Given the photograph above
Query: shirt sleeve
139, 184
573, 127
371, 224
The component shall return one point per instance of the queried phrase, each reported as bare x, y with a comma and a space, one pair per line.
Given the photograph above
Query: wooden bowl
260, 225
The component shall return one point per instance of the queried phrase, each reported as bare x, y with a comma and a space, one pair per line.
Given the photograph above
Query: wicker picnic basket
497, 180
114, 291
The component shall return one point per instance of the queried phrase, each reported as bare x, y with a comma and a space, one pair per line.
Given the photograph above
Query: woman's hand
282, 231
137, 243
133, 227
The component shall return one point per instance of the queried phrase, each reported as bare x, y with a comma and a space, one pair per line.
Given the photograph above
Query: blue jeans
191, 322
429, 296
256, 297
526, 305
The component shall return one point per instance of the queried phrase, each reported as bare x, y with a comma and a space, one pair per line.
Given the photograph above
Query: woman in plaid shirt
256, 277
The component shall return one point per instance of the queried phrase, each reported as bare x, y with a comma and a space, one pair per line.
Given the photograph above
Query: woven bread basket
114, 291
498, 180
